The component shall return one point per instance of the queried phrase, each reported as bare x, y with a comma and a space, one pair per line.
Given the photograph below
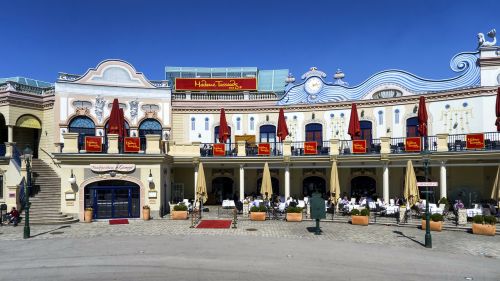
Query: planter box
179, 215
146, 214
87, 216
294, 217
359, 220
258, 216
435, 225
484, 229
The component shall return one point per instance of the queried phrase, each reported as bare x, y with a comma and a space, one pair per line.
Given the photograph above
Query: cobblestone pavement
447, 241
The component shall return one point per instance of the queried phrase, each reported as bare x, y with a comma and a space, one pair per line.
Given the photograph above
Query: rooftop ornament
482, 41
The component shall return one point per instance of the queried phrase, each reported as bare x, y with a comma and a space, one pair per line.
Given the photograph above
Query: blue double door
118, 201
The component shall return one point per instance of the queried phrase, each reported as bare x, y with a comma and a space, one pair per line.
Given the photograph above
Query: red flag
497, 110
422, 117
354, 129
115, 122
223, 128
282, 128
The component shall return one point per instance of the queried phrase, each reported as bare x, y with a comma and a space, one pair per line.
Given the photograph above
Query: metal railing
207, 150
322, 148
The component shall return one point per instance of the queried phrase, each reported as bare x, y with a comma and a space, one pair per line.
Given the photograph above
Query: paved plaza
275, 250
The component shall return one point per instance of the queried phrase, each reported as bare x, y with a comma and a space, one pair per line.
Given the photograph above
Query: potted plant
360, 217
484, 225
436, 222
294, 214
258, 213
180, 212
88, 214
146, 212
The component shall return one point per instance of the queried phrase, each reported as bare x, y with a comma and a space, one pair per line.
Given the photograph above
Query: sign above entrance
101, 168
428, 183
215, 84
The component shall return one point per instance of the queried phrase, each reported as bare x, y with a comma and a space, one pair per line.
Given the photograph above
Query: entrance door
113, 201
312, 184
363, 186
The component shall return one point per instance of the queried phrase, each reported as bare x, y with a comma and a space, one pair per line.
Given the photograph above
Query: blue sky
42, 38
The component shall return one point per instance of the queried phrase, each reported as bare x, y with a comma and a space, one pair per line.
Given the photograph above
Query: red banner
215, 84
475, 141
93, 144
131, 144
264, 149
359, 146
310, 147
413, 144
219, 149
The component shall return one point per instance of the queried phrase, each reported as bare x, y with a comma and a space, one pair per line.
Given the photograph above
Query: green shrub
478, 219
365, 212
355, 212
490, 220
437, 217
260, 208
444, 201
180, 207
294, 209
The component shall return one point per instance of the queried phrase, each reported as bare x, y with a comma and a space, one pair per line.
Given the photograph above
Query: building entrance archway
113, 199
312, 184
27, 132
222, 188
363, 186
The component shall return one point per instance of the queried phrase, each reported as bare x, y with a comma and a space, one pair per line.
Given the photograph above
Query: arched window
267, 133
216, 135
412, 127
148, 127
206, 124
252, 123
366, 131
84, 126
193, 124
314, 132
238, 123
396, 116
380, 117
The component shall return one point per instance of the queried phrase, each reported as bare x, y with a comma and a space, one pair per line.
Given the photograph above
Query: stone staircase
46, 196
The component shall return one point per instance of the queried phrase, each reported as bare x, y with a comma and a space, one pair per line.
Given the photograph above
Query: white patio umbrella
334, 183
495, 192
201, 186
411, 184
267, 185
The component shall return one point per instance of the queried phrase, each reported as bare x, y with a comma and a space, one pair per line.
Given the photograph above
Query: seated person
13, 216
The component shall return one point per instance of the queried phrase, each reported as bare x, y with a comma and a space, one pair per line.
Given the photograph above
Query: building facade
177, 122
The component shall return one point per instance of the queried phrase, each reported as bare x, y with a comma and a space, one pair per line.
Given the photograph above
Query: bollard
235, 218
318, 230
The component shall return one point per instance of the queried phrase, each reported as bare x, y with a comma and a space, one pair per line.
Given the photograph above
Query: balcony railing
298, 149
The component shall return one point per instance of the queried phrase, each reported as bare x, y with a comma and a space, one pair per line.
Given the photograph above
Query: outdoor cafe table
474, 212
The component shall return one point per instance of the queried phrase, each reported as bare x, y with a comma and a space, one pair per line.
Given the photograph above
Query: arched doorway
28, 132
412, 127
274, 182
363, 186
84, 126
149, 126
113, 199
222, 188
314, 132
366, 131
268, 134
312, 184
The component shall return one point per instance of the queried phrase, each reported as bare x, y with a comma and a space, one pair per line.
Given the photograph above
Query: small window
380, 117
389, 93
396, 116
206, 123
252, 123
193, 124
238, 123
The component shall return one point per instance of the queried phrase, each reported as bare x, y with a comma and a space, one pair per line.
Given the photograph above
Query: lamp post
28, 154
428, 238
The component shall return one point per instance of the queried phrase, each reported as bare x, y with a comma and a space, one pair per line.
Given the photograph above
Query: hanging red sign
132, 144
413, 144
310, 147
264, 149
359, 146
219, 149
93, 144
475, 141
215, 84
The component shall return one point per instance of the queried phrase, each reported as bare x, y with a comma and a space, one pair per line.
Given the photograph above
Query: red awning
282, 128
223, 128
422, 117
354, 129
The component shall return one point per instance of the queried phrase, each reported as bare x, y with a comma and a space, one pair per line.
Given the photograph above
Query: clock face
313, 85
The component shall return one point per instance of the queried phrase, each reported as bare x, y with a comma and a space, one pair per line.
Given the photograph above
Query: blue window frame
314, 132
193, 124
396, 116
252, 123
206, 124
366, 131
238, 123
84, 126
412, 127
216, 135
380, 117
148, 127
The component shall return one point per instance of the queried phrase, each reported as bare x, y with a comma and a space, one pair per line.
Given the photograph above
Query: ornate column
195, 179
442, 180
10, 133
287, 181
242, 183
385, 182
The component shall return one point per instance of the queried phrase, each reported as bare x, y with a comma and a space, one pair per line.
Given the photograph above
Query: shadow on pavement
49, 231
410, 238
